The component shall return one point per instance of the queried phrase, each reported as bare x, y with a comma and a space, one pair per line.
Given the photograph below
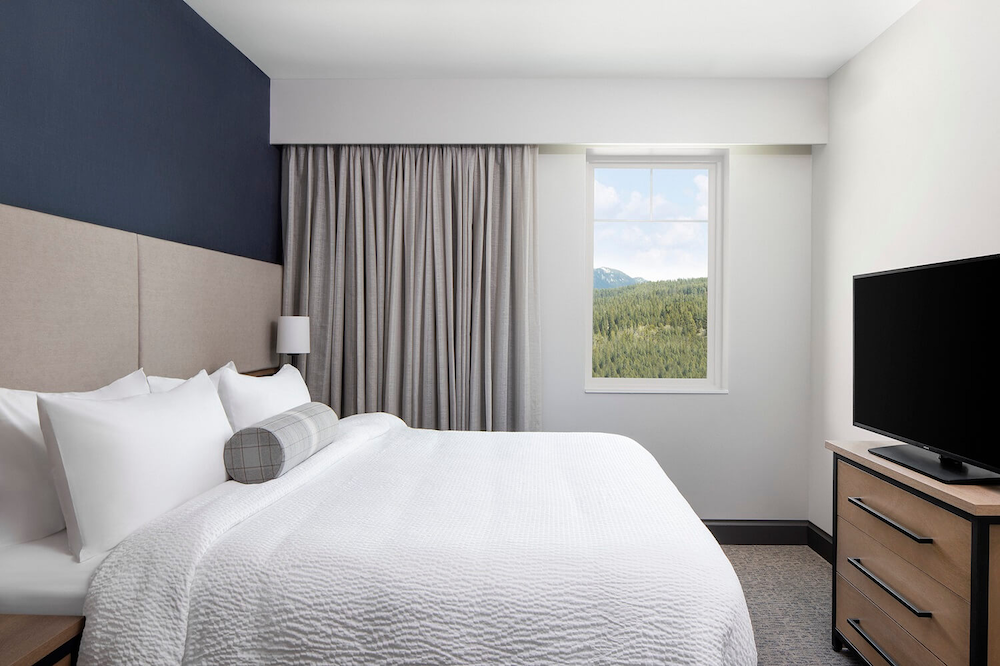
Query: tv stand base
931, 464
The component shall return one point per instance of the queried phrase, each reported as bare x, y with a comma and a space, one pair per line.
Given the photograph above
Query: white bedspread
396, 545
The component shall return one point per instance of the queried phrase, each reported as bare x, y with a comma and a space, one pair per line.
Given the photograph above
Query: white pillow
120, 463
161, 384
29, 507
249, 400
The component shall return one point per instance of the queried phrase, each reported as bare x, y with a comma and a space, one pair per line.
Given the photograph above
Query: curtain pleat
417, 268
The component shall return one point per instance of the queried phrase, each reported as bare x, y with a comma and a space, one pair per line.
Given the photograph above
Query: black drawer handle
892, 593
858, 502
856, 625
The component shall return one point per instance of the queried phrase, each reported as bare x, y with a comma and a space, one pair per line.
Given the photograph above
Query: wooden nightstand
39, 639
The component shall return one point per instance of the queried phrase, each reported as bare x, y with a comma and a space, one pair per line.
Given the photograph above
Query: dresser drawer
862, 560
863, 498
856, 614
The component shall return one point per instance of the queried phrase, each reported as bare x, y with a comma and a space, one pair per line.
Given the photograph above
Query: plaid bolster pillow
268, 449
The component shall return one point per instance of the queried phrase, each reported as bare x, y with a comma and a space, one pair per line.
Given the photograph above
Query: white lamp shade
293, 335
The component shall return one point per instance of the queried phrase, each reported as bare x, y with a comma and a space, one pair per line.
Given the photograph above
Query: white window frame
716, 381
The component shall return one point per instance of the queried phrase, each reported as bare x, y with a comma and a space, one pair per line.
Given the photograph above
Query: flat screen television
927, 366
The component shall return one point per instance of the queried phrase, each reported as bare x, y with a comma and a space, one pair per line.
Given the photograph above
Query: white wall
550, 111
911, 175
735, 456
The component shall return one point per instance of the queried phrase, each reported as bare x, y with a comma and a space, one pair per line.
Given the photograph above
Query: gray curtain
416, 266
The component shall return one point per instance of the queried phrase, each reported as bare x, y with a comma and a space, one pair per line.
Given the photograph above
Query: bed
390, 545
400, 545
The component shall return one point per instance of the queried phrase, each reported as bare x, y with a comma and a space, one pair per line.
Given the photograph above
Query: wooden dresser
916, 564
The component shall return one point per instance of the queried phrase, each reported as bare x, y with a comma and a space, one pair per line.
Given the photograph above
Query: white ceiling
354, 39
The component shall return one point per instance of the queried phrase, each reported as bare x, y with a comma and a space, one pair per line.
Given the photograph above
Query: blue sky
651, 250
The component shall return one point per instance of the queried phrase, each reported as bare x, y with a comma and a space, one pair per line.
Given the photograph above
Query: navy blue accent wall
138, 115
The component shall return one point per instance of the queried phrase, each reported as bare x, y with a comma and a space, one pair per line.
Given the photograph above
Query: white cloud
606, 201
609, 204
637, 208
635, 236
653, 250
605, 231
661, 263
612, 203
677, 235
664, 209
667, 209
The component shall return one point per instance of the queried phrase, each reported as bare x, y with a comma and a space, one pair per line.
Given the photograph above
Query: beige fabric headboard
200, 309
81, 305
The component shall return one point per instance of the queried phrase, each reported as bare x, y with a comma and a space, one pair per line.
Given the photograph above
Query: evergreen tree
655, 329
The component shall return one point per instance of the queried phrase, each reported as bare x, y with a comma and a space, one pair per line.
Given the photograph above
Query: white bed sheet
42, 578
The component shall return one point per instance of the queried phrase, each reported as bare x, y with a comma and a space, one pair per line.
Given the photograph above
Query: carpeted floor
788, 592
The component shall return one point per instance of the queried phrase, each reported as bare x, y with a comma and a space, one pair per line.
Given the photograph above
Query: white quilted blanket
396, 545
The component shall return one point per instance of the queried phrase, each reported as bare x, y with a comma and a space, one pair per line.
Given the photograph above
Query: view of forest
652, 329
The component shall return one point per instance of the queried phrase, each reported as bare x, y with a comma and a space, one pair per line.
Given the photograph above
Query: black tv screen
926, 343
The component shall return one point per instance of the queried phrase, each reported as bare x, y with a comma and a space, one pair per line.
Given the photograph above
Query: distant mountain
609, 278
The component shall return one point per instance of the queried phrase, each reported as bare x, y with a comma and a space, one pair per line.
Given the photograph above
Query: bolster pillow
268, 449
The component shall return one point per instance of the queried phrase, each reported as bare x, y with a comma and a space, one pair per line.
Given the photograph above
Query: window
655, 250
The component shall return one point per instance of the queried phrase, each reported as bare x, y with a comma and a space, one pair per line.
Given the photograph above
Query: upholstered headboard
81, 305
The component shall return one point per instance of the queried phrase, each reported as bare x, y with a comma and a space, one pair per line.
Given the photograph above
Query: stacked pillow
251, 399
161, 384
106, 462
29, 506
120, 463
